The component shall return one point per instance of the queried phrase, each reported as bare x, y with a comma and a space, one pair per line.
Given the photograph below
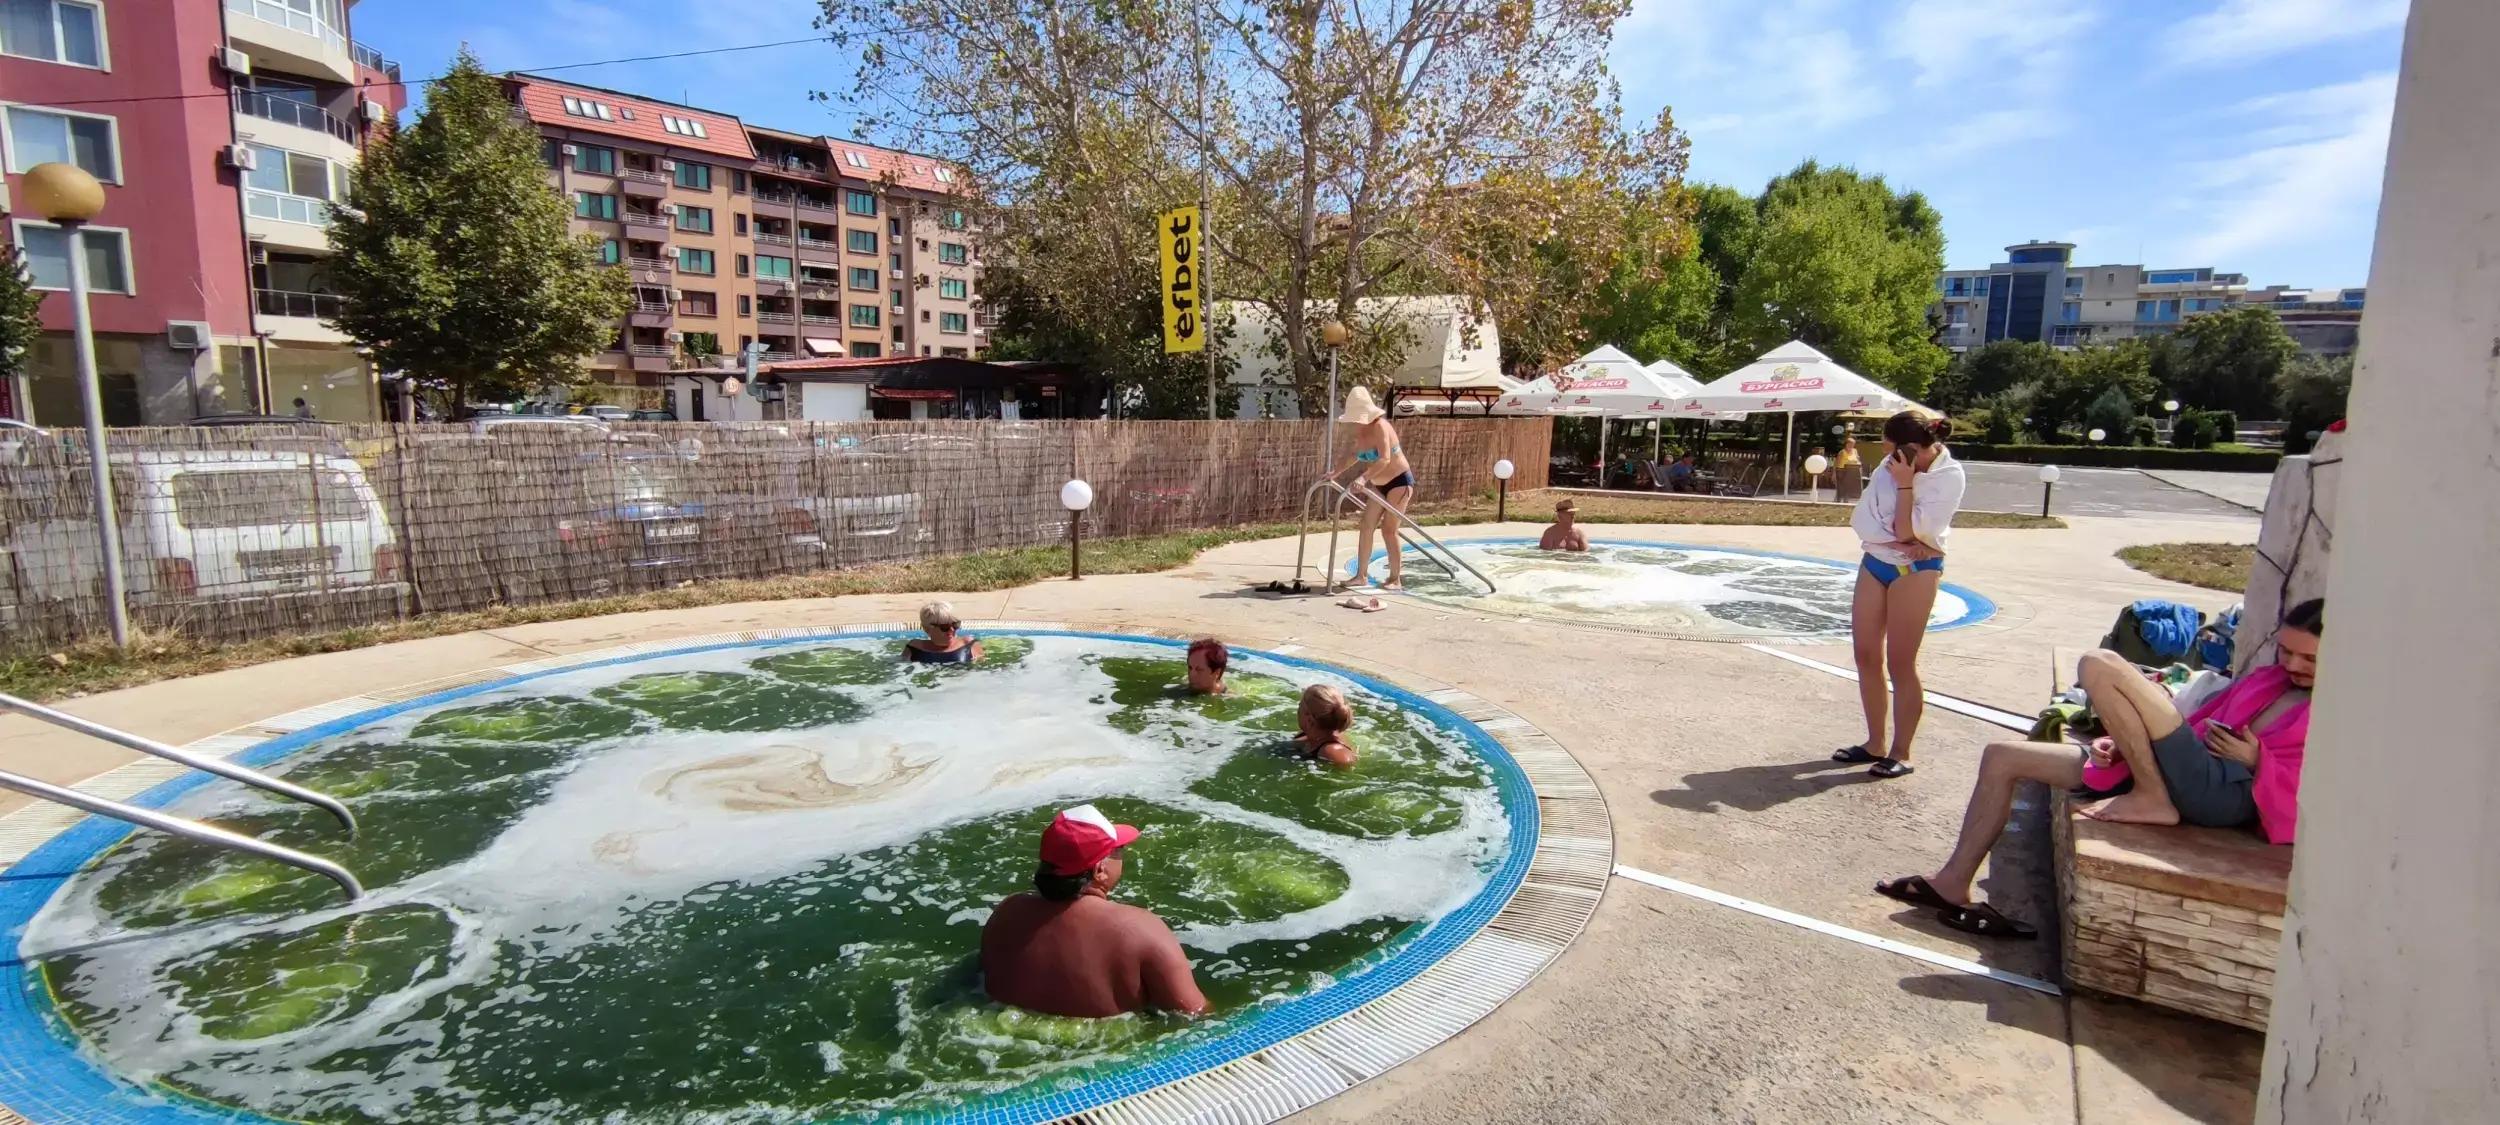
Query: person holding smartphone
1902, 523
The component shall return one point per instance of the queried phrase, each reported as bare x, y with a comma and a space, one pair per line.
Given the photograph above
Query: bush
2145, 432
2121, 457
1999, 429
2112, 413
2226, 426
2194, 429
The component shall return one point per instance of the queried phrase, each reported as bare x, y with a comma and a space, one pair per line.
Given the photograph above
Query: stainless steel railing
187, 829
176, 754
1366, 497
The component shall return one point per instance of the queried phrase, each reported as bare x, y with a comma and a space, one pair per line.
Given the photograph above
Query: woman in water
946, 643
1207, 660
1902, 522
1325, 718
1385, 469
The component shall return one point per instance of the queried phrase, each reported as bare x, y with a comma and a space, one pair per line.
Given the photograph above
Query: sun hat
1359, 408
1082, 837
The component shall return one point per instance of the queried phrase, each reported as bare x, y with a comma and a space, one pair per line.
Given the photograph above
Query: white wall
830, 402
2390, 973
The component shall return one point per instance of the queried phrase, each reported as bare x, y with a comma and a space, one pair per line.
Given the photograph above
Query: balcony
287, 111
804, 203
651, 314
642, 175
774, 316
372, 59
635, 218
819, 320
763, 239
777, 357
652, 357
306, 36
281, 302
641, 183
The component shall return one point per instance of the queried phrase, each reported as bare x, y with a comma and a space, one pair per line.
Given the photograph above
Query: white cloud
2241, 30
2319, 161
1950, 40
1990, 130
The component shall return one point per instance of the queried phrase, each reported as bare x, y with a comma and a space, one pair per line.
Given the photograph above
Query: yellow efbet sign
1184, 278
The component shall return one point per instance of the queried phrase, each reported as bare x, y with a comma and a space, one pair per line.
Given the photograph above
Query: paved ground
1712, 760
2248, 490
2119, 493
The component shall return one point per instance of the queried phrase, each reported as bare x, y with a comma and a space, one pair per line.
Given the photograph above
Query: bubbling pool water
747, 886
1675, 589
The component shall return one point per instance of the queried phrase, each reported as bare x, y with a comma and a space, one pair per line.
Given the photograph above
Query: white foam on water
657, 815
1623, 581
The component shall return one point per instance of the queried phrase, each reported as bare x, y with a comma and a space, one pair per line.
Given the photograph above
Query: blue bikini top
1368, 456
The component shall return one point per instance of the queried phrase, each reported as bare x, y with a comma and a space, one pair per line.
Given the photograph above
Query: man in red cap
1065, 949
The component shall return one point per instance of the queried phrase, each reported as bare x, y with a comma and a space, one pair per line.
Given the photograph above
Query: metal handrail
1328, 575
187, 829
150, 746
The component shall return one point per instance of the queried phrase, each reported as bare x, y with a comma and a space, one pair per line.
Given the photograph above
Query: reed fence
235, 533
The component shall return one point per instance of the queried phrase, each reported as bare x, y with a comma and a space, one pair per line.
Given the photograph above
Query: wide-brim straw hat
1360, 410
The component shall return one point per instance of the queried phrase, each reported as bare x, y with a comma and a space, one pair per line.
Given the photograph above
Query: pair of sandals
1975, 918
1882, 767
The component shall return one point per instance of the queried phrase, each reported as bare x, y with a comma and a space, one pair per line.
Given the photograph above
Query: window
953, 253
897, 261
954, 219
694, 175
695, 261
611, 251
866, 316
2143, 311
860, 241
859, 203
695, 302
742, 224
957, 323
592, 205
1979, 287
682, 126
737, 181
550, 153
864, 277
742, 265
945, 175
854, 159
864, 350
694, 218
594, 159
768, 265
42, 136
1958, 315
584, 107
47, 256
2074, 283
60, 31
746, 305
292, 187
954, 288
2070, 313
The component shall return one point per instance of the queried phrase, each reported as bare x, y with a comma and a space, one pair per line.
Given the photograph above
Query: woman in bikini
1902, 522
1325, 718
1386, 471
946, 643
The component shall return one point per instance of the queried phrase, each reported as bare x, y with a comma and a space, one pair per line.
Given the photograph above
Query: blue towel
2213, 647
2168, 628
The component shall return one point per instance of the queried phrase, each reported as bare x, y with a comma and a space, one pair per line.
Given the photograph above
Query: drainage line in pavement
1822, 927
1958, 706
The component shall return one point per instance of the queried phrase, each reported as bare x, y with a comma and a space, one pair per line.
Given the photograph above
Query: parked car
607, 413
639, 530
15, 436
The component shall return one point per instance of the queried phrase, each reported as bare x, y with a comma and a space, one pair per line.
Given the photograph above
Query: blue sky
2243, 134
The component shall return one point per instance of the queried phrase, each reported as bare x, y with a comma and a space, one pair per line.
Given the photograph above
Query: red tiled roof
543, 101
910, 170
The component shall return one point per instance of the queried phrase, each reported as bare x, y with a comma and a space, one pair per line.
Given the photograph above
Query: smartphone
2212, 725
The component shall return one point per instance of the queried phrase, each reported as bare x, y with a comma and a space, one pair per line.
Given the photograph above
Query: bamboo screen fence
234, 533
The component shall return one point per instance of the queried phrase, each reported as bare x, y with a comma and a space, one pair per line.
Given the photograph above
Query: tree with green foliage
2113, 415
456, 256
1992, 369
1846, 264
2228, 360
1664, 298
20, 302
2313, 391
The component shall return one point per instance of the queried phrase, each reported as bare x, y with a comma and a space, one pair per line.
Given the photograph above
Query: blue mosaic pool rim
1976, 607
47, 1077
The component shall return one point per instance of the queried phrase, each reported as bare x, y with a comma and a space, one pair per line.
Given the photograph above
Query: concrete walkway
2247, 490
1712, 758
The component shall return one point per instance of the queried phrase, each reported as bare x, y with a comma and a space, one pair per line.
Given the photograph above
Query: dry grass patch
2215, 566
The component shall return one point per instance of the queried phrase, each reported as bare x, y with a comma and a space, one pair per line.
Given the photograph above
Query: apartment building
2038, 293
738, 234
222, 130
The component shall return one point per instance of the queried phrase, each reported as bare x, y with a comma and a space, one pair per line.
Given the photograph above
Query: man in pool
1065, 949
1565, 535
1207, 660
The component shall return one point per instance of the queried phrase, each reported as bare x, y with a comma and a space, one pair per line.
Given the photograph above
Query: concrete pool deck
1712, 759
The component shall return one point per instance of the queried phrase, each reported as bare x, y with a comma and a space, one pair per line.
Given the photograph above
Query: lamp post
1814, 476
67, 196
2048, 484
2096, 435
1502, 470
1335, 335
1076, 496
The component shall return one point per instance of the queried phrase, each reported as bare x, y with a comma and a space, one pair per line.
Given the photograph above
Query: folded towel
2168, 628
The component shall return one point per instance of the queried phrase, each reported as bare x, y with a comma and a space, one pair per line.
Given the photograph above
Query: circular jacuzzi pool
1699, 593
745, 882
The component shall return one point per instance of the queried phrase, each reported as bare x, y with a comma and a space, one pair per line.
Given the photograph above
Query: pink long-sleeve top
2280, 747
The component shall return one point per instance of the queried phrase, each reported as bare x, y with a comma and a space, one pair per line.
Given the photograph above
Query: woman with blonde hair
1325, 716
1387, 473
946, 642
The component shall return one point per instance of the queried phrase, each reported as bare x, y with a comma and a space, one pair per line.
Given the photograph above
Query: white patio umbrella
1790, 378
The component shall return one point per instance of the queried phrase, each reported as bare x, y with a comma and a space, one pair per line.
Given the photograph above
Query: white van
221, 527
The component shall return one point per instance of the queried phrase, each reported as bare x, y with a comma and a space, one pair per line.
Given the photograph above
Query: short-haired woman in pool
1902, 523
945, 643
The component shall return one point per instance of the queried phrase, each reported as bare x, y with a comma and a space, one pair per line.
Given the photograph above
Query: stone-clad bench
2187, 918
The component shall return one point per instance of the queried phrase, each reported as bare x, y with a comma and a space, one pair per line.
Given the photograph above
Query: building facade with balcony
739, 234
2039, 294
222, 130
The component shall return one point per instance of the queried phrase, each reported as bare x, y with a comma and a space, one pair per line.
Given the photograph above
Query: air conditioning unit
674, 336
240, 156
668, 166
234, 61
188, 335
376, 112
572, 150
675, 295
671, 251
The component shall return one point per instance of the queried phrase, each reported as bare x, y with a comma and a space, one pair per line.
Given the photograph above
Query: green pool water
747, 885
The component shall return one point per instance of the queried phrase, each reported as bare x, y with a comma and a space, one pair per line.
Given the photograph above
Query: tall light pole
67, 196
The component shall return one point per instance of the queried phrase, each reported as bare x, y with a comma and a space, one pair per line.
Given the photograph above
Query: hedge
2121, 457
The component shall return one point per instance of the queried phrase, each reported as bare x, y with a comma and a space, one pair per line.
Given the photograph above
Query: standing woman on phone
1902, 522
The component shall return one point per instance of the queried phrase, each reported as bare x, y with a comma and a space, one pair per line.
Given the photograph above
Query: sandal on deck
1984, 920
1853, 755
1890, 767
1915, 890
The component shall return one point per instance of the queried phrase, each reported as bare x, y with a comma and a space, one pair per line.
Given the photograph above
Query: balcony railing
287, 111
651, 351
826, 245
652, 306
763, 239
289, 17
820, 320
646, 219
287, 208
652, 263
369, 57
772, 316
646, 175
281, 302
777, 357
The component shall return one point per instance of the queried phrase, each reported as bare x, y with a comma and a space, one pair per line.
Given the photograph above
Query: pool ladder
1342, 495
188, 829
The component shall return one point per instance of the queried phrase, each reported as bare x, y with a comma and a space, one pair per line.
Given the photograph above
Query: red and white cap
1081, 837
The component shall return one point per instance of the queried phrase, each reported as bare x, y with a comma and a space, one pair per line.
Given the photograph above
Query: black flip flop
1888, 767
1983, 920
1915, 890
1854, 755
